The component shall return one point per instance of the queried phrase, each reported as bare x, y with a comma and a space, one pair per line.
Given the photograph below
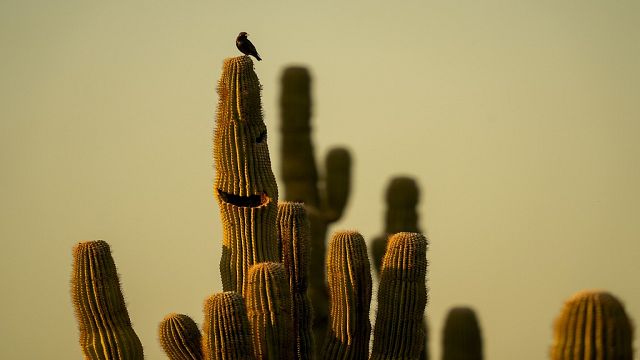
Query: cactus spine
349, 276
105, 327
402, 297
180, 337
226, 333
300, 178
245, 186
462, 339
268, 309
592, 325
293, 233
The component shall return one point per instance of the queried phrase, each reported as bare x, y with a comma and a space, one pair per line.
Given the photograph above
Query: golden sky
519, 119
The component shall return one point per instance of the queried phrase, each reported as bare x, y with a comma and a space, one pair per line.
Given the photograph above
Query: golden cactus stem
349, 276
105, 328
245, 186
402, 296
462, 339
180, 337
300, 177
226, 332
294, 236
593, 324
268, 309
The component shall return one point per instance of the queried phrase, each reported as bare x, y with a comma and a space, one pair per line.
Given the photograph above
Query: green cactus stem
245, 186
105, 328
402, 297
180, 337
268, 309
462, 339
301, 182
593, 324
349, 276
294, 236
226, 333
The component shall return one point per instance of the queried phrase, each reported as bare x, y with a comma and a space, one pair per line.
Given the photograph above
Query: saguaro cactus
105, 328
245, 186
180, 337
461, 338
592, 325
402, 297
349, 276
226, 332
325, 200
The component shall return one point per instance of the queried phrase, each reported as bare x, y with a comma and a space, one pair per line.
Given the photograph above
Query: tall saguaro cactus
593, 324
326, 199
105, 328
461, 338
245, 186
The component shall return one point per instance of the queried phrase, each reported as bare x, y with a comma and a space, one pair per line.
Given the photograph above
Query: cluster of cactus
325, 197
264, 311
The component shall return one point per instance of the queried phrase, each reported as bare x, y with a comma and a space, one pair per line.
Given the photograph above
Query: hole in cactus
262, 136
244, 201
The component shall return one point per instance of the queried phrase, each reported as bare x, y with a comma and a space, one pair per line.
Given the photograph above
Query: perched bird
245, 46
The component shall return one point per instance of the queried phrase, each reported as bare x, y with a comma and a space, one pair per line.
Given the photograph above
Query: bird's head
243, 34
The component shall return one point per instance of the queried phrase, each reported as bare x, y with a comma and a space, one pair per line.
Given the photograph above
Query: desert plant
325, 200
226, 334
593, 324
461, 338
180, 337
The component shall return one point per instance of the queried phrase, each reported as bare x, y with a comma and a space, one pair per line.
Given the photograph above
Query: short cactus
226, 333
402, 297
105, 328
593, 324
461, 338
293, 233
245, 186
180, 337
268, 309
349, 276
301, 182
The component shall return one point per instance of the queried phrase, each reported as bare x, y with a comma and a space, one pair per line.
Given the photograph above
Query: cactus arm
103, 320
226, 333
337, 183
180, 337
349, 276
461, 337
402, 297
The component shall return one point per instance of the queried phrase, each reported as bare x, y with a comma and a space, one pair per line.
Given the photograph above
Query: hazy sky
519, 119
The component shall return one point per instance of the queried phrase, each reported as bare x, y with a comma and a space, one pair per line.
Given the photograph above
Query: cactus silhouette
402, 297
593, 324
461, 338
268, 310
245, 187
105, 327
226, 333
324, 200
349, 277
293, 234
180, 337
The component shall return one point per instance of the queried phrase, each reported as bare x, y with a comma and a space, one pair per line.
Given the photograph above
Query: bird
245, 46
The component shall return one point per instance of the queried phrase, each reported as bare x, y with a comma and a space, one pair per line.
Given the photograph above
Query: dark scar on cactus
252, 201
261, 137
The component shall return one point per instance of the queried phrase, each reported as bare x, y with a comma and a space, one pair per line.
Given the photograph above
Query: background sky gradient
519, 119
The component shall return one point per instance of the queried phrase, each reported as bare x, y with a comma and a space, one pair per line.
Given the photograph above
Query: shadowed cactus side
324, 200
105, 328
402, 297
180, 337
245, 186
461, 338
293, 233
226, 334
349, 277
592, 325
268, 309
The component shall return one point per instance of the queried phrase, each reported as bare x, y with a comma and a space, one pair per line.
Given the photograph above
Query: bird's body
245, 46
